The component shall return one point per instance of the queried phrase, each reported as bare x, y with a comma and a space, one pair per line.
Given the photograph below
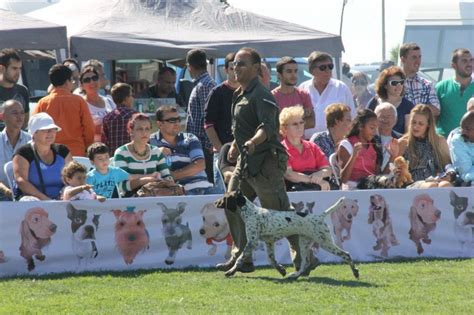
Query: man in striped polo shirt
184, 153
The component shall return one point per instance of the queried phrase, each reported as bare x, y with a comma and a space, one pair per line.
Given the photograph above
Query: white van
439, 27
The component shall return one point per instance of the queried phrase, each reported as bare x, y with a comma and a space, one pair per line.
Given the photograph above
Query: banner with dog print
190, 231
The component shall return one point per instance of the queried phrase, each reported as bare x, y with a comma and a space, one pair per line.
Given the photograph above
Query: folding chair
335, 168
84, 161
8, 169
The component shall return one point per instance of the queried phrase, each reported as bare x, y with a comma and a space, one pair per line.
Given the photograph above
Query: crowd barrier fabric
185, 231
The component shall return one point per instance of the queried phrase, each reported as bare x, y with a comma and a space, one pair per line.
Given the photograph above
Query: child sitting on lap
105, 178
74, 176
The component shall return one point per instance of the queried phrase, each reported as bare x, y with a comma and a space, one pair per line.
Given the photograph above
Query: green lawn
411, 287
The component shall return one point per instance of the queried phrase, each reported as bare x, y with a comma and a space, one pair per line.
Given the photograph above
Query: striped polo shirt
187, 150
156, 161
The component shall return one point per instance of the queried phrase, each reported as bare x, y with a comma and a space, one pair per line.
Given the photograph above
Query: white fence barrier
178, 232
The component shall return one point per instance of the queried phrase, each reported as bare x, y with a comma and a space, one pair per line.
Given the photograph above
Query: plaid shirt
203, 85
114, 128
418, 90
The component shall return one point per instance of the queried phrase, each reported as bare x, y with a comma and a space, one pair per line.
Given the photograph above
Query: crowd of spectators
333, 132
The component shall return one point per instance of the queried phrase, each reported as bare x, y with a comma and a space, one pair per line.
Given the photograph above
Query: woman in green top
138, 157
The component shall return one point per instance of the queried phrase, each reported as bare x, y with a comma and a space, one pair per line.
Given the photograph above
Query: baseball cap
41, 121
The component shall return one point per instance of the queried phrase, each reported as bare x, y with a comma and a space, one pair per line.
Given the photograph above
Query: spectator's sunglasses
324, 67
94, 78
172, 120
396, 82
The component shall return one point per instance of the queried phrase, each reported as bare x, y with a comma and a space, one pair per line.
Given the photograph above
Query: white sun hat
41, 121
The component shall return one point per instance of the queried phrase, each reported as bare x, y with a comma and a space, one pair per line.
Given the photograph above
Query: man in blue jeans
184, 153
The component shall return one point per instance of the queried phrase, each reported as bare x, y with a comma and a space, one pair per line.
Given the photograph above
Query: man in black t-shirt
218, 113
10, 70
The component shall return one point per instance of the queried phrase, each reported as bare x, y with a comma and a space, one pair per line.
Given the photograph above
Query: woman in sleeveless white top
99, 106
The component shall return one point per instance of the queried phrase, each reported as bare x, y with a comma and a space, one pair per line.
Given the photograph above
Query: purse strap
40, 174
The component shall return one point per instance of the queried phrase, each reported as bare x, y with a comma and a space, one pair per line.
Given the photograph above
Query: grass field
410, 287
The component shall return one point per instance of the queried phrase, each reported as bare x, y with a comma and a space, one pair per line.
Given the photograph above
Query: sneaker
226, 266
314, 263
247, 267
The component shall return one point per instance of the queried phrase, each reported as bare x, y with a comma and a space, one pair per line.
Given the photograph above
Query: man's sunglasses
396, 82
88, 80
242, 63
173, 120
324, 67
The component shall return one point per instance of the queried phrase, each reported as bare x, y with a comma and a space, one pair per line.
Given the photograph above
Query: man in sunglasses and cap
325, 90
69, 111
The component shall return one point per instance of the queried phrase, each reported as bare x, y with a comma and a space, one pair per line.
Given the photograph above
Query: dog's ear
163, 206
181, 206
207, 207
371, 216
116, 213
26, 235
95, 220
70, 211
140, 214
384, 215
453, 196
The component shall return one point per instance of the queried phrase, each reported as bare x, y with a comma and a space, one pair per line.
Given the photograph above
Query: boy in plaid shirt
114, 133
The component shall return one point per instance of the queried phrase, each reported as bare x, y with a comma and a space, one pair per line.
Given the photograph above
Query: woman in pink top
359, 154
307, 164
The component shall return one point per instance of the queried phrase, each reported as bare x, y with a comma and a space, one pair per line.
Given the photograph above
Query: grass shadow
141, 272
318, 280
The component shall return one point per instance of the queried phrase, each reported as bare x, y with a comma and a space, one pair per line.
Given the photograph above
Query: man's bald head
13, 114
8, 105
470, 104
467, 126
468, 120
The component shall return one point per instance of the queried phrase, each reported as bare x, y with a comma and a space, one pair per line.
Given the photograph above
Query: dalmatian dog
271, 225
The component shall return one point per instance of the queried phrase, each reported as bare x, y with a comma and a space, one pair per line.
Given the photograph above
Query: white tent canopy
167, 29
23, 32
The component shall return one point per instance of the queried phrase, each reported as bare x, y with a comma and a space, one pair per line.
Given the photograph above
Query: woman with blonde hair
307, 165
427, 152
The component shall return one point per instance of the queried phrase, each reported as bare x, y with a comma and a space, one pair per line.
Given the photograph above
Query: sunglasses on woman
89, 79
396, 82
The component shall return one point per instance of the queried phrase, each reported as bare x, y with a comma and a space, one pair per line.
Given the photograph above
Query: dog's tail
334, 207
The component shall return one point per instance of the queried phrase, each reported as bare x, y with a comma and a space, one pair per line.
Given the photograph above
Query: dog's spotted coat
271, 225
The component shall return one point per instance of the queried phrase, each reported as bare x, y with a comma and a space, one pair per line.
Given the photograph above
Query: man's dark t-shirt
18, 93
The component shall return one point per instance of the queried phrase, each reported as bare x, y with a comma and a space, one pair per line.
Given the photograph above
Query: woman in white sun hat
37, 165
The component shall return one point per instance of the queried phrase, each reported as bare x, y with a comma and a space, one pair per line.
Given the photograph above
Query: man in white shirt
324, 90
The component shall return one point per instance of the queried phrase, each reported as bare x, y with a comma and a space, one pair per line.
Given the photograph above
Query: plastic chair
84, 161
335, 167
8, 169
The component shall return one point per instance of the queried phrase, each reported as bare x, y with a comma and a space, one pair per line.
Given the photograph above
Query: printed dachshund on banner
36, 231
215, 229
342, 220
464, 222
84, 226
382, 227
423, 217
175, 233
131, 235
